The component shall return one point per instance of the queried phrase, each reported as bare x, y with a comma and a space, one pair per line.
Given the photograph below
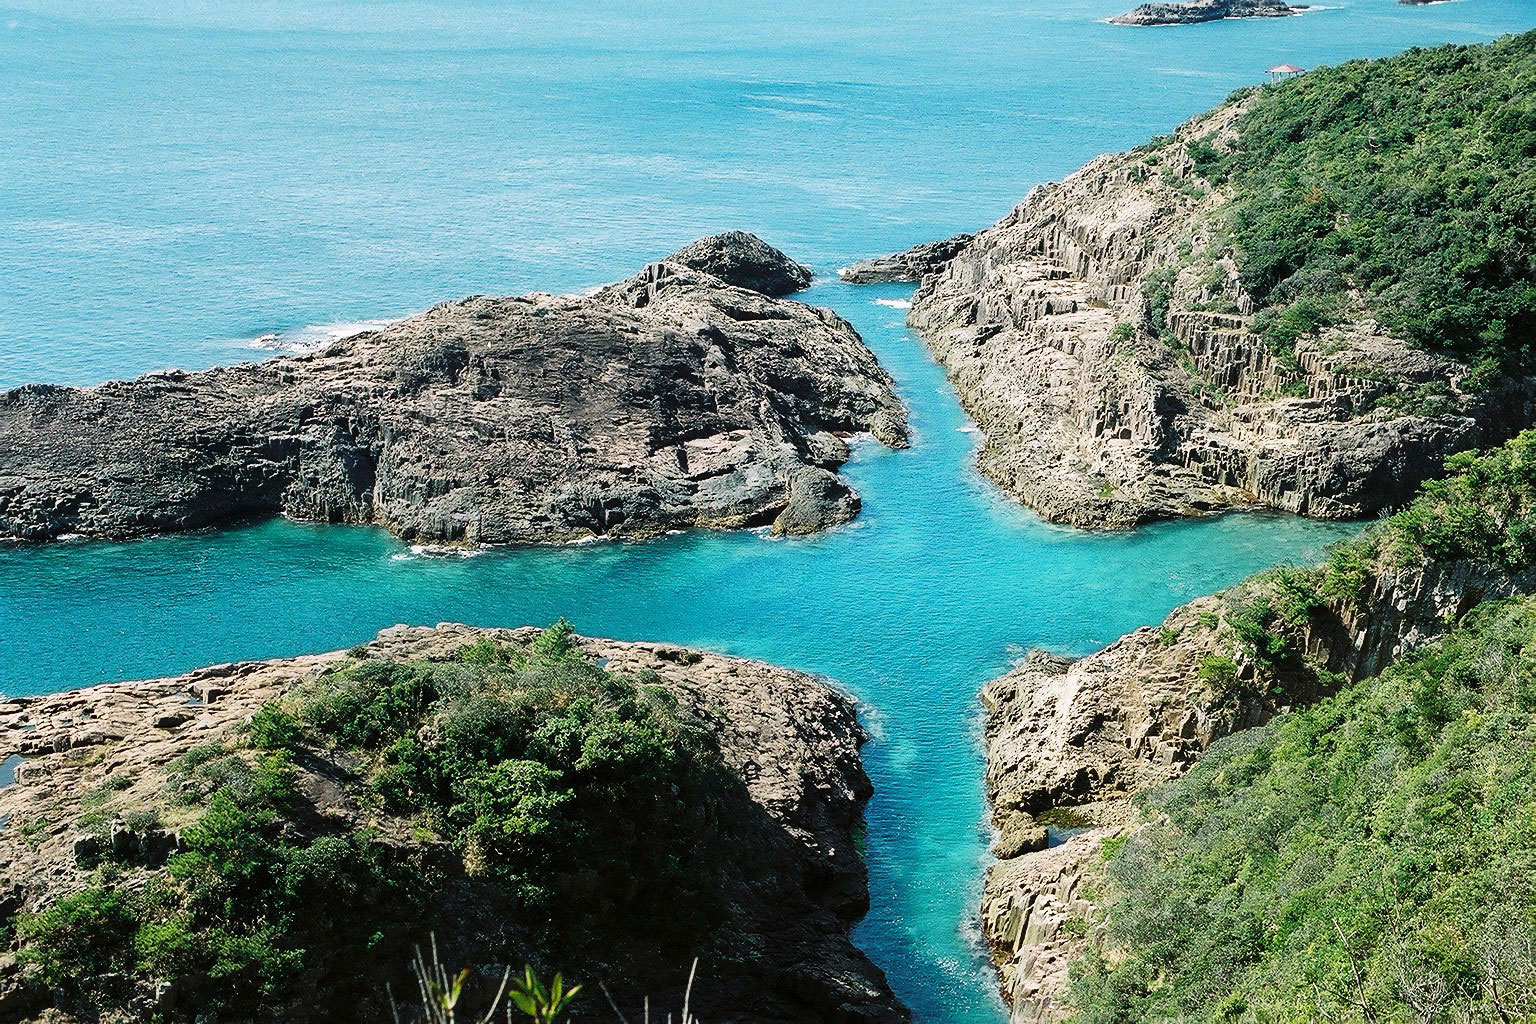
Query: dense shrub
1411, 179
1371, 858
576, 800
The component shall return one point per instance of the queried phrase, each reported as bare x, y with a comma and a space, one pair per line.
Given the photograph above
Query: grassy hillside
1406, 186
523, 802
1371, 858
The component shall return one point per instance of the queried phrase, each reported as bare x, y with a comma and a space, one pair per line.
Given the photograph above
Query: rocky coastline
910, 265
1198, 11
90, 763
1072, 741
1116, 381
692, 395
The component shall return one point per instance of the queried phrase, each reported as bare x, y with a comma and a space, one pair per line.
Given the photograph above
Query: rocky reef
1101, 338
1205, 10
691, 395
94, 767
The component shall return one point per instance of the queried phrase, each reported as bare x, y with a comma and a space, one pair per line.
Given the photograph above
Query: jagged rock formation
792, 739
910, 265
1102, 342
1085, 735
686, 396
1205, 10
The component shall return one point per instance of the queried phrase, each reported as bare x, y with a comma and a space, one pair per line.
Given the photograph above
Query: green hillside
1406, 184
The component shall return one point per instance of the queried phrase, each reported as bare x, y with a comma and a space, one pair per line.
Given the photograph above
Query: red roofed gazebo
1284, 71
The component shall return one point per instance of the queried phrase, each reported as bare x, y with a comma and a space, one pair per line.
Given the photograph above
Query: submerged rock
1198, 11
686, 396
905, 266
781, 954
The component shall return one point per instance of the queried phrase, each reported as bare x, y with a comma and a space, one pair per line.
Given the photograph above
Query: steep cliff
687, 396
122, 795
1182, 329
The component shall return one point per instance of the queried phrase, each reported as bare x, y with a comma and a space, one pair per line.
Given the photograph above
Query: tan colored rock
1096, 415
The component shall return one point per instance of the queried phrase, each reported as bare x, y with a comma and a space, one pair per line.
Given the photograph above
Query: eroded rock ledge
793, 740
689, 395
1117, 380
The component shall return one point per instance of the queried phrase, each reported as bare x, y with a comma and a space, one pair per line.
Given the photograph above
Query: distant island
1197, 11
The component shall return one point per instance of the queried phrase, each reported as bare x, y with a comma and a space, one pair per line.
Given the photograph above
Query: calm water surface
178, 180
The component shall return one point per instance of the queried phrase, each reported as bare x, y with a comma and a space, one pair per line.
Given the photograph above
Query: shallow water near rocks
179, 186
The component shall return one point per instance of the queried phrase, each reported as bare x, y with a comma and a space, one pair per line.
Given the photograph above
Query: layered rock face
686, 396
1204, 10
792, 739
910, 265
1110, 361
1085, 735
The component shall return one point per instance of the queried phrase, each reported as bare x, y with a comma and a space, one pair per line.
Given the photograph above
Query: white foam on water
436, 551
894, 303
315, 337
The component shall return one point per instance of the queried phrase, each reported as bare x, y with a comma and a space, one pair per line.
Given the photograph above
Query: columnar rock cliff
92, 760
689, 395
1102, 341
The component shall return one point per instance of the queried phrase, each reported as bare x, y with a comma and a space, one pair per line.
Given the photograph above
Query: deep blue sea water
179, 179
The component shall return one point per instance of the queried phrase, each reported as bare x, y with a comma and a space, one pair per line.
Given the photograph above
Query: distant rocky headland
1198, 11
692, 395
1186, 328
269, 840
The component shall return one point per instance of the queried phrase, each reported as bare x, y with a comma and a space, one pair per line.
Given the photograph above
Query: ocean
197, 183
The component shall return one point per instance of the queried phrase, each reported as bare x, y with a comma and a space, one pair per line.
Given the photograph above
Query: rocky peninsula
1105, 339
692, 395
119, 793
1198, 11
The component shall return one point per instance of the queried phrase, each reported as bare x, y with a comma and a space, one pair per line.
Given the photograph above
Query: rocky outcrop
905, 266
746, 261
1037, 919
90, 758
1205, 10
1107, 351
1083, 736
686, 396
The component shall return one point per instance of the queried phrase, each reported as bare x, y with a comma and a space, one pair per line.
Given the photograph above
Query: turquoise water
176, 180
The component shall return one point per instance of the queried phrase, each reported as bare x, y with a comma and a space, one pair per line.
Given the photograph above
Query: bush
79, 938
1346, 859
1411, 180
273, 728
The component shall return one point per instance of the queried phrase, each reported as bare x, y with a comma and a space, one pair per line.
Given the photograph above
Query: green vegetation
1485, 510
1410, 180
528, 784
1369, 859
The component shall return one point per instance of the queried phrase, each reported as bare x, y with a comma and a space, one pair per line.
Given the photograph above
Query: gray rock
746, 261
671, 400
817, 500
1095, 416
905, 266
